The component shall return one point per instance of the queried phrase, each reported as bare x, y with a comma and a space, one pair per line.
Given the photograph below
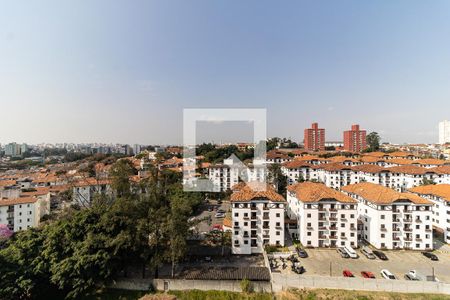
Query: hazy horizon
122, 72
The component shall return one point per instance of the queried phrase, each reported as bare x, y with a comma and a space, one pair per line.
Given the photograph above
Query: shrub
246, 286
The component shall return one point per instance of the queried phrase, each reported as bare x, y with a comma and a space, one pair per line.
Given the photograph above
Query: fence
285, 281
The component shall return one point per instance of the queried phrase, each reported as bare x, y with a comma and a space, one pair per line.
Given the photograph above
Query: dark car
380, 255
409, 277
430, 255
298, 269
302, 253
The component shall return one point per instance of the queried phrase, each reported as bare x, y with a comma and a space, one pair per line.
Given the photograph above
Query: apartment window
308, 243
308, 233
28, 205
236, 214
236, 232
308, 215
245, 215
417, 226
383, 245
417, 245
352, 216
20, 214
342, 225
246, 242
382, 217
236, 223
278, 215
342, 216
245, 223
277, 224
382, 235
352, 234
28, 220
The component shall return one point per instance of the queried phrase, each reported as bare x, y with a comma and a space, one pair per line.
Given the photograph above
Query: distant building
137, 149
355, 139
314, 138
444, 132
15, 150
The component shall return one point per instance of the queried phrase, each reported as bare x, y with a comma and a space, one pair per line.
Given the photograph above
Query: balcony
408, 239
384, 229
266, 236
396, 220
396, 238
265, 217
333, 218
333, 237
333, 209
408, 220
396, 229
253, 208
254, 226
246, 236
322, 237
322, 209
428, 229
407, 229
322, 228
310, 227
352, 228
418, 221
265, 208
334, 228
254, 235
265, 226
322, 219
236, 227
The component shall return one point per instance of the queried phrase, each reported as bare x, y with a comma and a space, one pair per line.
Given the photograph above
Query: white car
387, 275
367, 252
413, 275
219, 215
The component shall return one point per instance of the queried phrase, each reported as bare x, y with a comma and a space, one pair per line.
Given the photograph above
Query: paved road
206, 226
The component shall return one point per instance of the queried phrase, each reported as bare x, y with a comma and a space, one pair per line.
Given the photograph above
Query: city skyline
384, 66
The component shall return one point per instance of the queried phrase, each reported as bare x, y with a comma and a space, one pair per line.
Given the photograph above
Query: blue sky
122, 71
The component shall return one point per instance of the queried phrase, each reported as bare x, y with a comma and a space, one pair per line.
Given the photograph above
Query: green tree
120, 177
373, 141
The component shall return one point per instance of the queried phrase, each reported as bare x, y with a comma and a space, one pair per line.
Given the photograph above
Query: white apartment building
440, 196
257, 218
444, 132
325, 217
223, 177
85, 190
24, 212
299, 170
335, 175
392, 220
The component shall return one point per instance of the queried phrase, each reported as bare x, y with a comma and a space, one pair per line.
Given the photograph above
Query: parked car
347, 273
367, 274
430, 255
413, 275
219, 215
368, 252
302, 253
342, 252
221, 211
387, 275
210, 208
351, 252
380, 255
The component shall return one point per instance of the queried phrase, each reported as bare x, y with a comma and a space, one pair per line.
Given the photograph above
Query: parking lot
206, 226
327, 261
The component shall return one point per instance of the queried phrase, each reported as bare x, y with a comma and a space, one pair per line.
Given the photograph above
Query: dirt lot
399, 263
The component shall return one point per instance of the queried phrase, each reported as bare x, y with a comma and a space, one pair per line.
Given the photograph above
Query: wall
182, 284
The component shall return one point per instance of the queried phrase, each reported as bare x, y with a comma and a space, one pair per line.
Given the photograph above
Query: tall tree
373, 141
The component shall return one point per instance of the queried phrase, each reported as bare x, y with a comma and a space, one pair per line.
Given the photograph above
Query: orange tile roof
430, 161
376, 154
314, 192
14, 201
7, 182
400, 154
372, 159
409, 169
379, 194
227, 222
254, 190
333, 167
400, 161
439, 190
343, 159
441, 170
295, 164
369, 169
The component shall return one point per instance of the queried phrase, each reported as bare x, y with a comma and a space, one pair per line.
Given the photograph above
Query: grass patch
117, 294
218, 295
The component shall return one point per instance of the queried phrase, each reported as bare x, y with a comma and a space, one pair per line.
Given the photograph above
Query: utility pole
330, 270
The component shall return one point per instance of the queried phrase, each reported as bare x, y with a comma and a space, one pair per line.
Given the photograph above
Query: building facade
444, 132
440, 196
257, 218
325, 217
392, 220
355, 139
314, 138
